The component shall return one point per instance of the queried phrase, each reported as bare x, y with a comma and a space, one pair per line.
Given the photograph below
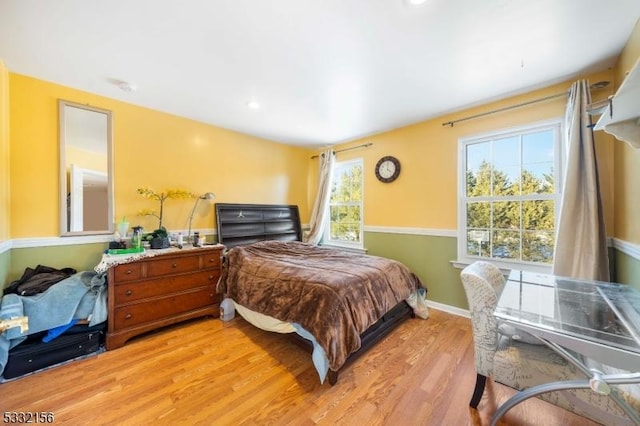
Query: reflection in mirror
86, 178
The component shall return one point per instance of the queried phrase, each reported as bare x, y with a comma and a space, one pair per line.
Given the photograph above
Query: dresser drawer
173, 265
211, 260
131, 291
127, 272
139, 313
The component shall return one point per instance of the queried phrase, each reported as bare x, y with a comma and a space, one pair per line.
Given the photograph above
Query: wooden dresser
164, 289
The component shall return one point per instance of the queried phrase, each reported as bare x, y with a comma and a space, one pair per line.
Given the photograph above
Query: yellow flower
161, 196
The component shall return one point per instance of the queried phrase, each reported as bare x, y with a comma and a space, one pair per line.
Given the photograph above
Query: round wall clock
387, 169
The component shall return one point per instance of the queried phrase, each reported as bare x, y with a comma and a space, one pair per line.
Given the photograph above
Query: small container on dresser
161, 290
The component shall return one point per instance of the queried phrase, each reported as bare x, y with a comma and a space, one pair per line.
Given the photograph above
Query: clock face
387, 169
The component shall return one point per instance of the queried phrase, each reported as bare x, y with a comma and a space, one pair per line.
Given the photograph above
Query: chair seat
521, 365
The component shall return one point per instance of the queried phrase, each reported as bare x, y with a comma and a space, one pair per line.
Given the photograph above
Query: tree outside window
345, 205
509, 196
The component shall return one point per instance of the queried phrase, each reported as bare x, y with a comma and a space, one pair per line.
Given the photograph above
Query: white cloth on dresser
109, 260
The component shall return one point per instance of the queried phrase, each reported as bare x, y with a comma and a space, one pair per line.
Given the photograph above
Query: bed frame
241, 224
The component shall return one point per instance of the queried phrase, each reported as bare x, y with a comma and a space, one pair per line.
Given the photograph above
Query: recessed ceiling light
416, 2
253, 104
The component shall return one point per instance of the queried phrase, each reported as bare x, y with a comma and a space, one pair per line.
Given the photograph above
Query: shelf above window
622, 117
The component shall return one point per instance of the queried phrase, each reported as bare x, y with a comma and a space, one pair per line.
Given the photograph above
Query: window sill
505, 267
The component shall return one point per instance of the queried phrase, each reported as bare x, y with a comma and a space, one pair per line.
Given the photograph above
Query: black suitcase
32, 354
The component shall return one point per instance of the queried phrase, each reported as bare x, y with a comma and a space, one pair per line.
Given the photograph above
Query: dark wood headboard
240, 224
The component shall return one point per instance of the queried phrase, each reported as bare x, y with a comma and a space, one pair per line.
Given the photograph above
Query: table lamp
205, 196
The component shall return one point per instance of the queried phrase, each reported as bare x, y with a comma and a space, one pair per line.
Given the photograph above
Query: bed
334, 302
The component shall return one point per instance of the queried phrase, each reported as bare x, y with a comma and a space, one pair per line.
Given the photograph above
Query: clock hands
387, 169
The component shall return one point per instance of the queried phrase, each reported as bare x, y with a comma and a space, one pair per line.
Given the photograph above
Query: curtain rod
598, 85
364, 145
482, 114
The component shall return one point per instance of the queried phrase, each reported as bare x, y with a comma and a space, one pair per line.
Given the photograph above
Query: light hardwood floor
215, 373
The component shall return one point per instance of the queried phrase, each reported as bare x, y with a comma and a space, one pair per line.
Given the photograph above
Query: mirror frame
64, 232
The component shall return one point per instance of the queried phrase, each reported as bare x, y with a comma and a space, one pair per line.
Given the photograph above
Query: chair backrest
483, 283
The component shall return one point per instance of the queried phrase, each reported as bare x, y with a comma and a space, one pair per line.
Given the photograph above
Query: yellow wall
425, 194
627, 159
151, 149
4, 152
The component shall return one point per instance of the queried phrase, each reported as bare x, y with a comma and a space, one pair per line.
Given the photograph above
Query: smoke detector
127, 87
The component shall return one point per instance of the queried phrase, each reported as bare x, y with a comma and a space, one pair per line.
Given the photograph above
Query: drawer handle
129, 272
212, 260
210, 277
128, 292
175, 265
128, 316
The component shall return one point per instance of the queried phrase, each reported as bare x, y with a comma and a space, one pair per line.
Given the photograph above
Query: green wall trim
429, 257
627, 269
83, 257
5, 263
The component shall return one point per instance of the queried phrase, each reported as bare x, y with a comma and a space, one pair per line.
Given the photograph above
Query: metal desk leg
612, 379
535, 391
600, 382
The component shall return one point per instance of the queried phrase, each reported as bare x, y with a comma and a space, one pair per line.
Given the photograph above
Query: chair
521, 365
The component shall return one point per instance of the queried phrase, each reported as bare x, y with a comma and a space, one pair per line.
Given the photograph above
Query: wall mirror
86, 170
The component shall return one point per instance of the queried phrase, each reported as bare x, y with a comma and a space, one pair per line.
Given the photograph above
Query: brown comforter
333, 294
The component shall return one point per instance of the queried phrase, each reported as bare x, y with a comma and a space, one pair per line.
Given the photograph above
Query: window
345, 205
508, 196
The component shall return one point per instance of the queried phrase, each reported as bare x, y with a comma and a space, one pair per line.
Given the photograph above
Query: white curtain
316, 224
581, 245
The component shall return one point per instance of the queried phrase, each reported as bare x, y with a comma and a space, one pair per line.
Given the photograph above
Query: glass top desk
576, 318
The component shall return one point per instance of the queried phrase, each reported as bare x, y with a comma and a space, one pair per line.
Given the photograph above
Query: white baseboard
449, 309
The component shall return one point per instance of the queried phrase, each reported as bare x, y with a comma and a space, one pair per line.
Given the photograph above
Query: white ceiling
323, 71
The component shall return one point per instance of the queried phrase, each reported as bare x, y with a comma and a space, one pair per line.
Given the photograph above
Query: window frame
555, 124
326, 234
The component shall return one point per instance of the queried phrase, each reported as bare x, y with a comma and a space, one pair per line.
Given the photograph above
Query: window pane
478, 242
537, 246
506, 152
538, 147
538, 155
506, 215
345, 223
343, 231
506, 181
478, 215
539, 181
538, 215
341, 191
356, 183
506, 244
478, 169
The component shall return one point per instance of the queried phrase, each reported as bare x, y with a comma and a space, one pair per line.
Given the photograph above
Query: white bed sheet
268, 323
